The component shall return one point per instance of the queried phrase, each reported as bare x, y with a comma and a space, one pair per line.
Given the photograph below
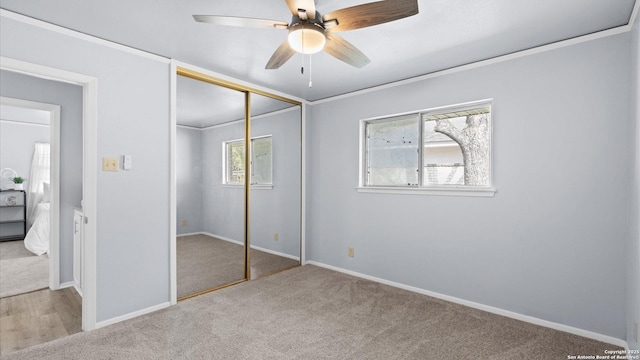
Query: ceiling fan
310, 32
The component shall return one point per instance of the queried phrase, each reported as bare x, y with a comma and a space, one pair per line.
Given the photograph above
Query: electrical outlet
184, 222
635, 331
276, 236
109, 164
351, 252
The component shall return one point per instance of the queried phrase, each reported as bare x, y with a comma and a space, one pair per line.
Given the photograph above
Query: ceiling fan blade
308, 5
341, 49
281, 56
241, 21
370, 14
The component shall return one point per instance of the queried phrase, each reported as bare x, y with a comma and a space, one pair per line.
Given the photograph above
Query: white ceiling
445, 34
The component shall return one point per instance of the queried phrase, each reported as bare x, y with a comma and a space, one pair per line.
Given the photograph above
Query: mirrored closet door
210, 195
275, 211
238, 183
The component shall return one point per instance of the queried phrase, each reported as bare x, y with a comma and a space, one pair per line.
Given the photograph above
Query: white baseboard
132, 315
297, 258
67, 284
190, 234
526, 318
212, 235
241, 243
72, 284
75, 286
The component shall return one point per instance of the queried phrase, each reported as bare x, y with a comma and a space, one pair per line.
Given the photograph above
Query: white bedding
37, 239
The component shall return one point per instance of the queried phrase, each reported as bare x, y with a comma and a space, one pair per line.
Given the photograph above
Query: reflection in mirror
209, 186
275, 198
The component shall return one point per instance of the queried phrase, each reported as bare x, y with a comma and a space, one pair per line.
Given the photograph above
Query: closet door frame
179, 69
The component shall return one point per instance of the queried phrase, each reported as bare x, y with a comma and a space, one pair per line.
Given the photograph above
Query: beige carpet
20, 270
13, 250
313, 313
263, 264
205, 262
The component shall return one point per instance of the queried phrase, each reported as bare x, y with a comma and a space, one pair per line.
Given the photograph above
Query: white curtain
40, 174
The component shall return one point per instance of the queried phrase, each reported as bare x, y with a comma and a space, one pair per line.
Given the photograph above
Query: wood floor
38, 317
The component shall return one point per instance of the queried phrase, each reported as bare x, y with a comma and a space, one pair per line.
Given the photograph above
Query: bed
37, 239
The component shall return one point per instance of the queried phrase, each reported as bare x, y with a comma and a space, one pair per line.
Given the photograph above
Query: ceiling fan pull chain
310, 72
302, 68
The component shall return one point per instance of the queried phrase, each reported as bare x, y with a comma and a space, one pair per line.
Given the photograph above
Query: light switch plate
109, 164
126, 162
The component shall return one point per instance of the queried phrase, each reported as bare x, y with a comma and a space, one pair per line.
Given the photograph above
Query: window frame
225, 163
445, 190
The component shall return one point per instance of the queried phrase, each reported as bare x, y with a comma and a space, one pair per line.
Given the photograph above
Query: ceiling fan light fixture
307, 38
310, 32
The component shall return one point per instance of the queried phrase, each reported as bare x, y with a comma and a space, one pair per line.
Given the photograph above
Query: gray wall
278, 210
133, 118
189, 180
69, 97
633, 252
223, 206
17, 144
550, 243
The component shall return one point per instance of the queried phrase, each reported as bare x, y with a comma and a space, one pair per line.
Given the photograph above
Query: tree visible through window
261, 161
452, 144
235, 162
442, 159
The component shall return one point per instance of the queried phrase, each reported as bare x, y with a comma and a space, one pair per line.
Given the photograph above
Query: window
261, 161
446, 150
234, 162
392, 151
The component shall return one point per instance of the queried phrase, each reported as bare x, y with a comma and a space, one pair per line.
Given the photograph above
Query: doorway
38, 278
28, 132
88, 156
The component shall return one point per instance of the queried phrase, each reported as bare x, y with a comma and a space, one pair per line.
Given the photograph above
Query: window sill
253, 187
438, 191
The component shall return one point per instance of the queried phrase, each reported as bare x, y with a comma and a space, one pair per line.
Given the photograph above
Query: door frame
89, 86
